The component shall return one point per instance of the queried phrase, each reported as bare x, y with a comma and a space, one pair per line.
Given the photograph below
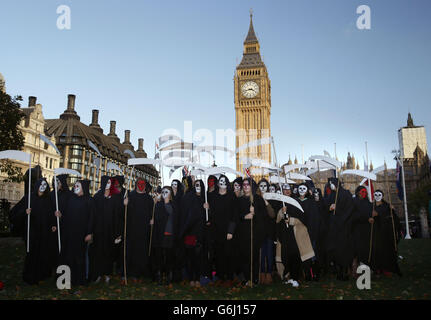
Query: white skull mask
222, 184
302, 190
279, 191
108, 185
272, 189
43, 186
198, 188
174, 185
263, 187
165, 193
236, 187
316, 196
378, 196
333, 187
77, 188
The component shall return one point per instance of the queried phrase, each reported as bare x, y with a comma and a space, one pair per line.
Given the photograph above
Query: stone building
72, 138
31, 126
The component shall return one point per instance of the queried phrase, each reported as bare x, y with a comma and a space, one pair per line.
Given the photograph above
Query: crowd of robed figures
229, 233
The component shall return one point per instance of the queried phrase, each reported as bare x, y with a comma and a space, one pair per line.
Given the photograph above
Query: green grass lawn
415, 283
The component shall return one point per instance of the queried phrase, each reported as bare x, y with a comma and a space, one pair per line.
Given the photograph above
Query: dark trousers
224, 259
193, 262
267, 255
163, 259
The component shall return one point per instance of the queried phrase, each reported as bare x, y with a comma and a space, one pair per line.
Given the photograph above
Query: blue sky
151, 65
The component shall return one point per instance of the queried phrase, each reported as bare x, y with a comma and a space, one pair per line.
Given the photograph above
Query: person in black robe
251, 207
179, 262
312, 222
63, 195
285, 234
39, 263
385, 237
322, 260
165, 235
267, 249
236, 263
361, 227
339, 241
118, 182
191, 232
224, 223
17, 214
106, 230
78, 232
140, 208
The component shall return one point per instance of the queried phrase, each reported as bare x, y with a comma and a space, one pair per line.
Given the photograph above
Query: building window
50, 163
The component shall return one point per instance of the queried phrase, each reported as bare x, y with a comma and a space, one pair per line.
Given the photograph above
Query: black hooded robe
361, 229
339, 240
39, 263
139, 214
386, 228
290, 255
192, 232
224, 221
63, 196
165, 238
244, 233
78, 223
106, 230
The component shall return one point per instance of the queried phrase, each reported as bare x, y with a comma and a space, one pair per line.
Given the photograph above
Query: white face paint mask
222, 183
42, 187
174, 185
302, 190
237, 187
316, 196
378, 196
198, 188
263, 187
108, 185
272, 189
77, 188
165, 193
333, 187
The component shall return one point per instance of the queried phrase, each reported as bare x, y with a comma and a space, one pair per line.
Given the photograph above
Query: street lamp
400, 159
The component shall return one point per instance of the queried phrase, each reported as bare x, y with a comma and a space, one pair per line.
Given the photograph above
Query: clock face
250, 89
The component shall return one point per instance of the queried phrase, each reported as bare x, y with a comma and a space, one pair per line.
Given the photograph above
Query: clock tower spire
252, 92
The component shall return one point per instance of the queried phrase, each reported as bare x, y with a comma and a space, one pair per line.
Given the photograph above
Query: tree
11, 137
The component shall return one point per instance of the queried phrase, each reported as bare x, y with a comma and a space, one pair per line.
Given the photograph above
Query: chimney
31, 101
95, 117
126, 137
71, 102
95, 121
140, 144
112, 129
70, 112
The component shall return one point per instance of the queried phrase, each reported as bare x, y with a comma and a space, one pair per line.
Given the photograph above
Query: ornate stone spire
410, 121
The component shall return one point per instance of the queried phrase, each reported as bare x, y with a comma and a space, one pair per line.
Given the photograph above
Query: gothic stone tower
252, 91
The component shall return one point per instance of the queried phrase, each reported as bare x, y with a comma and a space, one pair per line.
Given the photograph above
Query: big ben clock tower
252, 101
